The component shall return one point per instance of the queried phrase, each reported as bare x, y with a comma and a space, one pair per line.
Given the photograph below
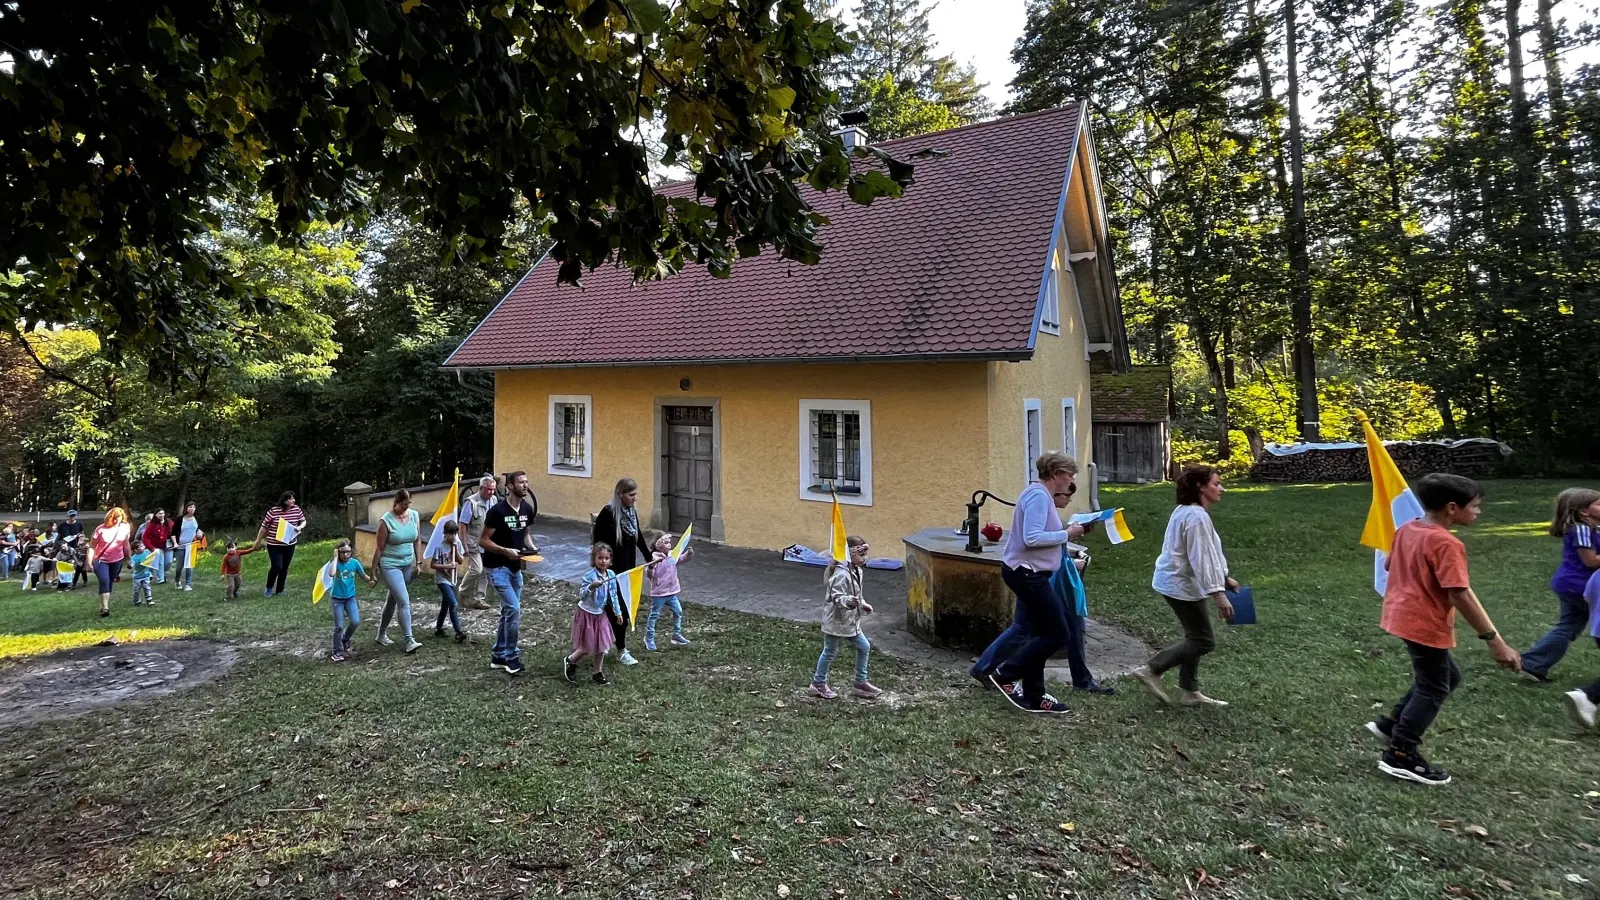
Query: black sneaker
496, 662
1096, 687
569, 670
1048, 705
980, 677
1535, 677
514, 667
600, 678
1411, 767
1382, 729
1012, 691
438, 632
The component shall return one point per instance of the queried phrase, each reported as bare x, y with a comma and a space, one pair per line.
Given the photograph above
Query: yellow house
943, 342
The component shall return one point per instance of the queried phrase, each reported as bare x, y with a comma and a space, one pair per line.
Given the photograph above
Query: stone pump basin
954, 598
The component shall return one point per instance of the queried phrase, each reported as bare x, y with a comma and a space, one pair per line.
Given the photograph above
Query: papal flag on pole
191, 554
324, 582
632, 583
285, 533
65, 568
445, 513
836, 535
683, 542
1393, 504
1117, 530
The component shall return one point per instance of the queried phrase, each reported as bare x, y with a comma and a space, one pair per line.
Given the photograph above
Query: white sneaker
413, 645
1152, 681
1581, 707
383, 640
1195, 698
188, 587
627, 659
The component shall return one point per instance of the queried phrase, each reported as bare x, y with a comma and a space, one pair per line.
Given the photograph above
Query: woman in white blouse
1190, 570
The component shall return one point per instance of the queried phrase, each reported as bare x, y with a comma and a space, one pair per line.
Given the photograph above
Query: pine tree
893, 41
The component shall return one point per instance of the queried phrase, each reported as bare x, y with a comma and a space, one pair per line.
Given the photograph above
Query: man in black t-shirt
71, 529
505, 538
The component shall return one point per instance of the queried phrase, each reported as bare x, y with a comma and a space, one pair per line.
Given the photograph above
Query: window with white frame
571, 433
1032, 438
1069, 426
1050, 315
836, 450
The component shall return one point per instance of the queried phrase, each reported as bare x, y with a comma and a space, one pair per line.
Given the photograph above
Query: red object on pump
991, 532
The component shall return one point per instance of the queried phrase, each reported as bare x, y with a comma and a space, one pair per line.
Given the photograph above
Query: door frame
660, 516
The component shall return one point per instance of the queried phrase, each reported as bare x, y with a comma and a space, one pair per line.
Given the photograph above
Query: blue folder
1244, 606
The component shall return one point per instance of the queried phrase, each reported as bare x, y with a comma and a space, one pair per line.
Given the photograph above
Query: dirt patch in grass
74, 682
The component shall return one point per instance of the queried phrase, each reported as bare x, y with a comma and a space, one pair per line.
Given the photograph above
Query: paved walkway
760, 582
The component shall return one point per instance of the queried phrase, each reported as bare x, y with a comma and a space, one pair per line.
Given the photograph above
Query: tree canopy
126, 129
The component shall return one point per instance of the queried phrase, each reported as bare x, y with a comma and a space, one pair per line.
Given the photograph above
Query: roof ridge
970, 126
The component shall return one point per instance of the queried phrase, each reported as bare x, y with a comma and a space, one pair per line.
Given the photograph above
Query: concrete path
760, 582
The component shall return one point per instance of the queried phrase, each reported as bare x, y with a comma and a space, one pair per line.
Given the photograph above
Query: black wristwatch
1488, 635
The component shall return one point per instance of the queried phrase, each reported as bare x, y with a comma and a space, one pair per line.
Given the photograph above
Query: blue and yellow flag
1117, 530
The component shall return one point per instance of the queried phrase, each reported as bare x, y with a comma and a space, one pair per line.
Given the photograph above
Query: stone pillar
355, 502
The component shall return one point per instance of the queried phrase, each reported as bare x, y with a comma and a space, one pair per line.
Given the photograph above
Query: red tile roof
952, 269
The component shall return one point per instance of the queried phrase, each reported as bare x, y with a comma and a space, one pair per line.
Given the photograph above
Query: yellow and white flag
838, 548
285, 533
1393, 504
632, 584
324, 582
683, 543
191, 554
1117, 530
65, 569
445, 513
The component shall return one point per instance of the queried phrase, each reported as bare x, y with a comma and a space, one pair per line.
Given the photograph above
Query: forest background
1317, 207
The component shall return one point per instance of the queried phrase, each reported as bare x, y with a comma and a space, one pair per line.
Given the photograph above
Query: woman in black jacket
617, 526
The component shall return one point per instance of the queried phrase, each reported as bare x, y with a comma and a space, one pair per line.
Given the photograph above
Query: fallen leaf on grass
781, 705
833, 841
644, 757
1505, 885
1577, 879
1257, 849
857, 823
1068, 827
392, 884
1456, 890
783, 890
1181, 755
1476, 831
263, 880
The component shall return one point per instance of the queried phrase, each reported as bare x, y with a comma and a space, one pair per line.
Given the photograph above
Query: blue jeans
399, 598
1047, 631
448, 605
657, 604
1014, 636
508, 585
141, 591
346, 615
7, 560
185, 574
830, 648
1569, 625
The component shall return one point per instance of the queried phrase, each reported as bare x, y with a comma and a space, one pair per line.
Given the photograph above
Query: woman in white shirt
1190, 570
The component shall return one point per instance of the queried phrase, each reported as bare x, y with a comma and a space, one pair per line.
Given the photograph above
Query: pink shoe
821, 691
865, 690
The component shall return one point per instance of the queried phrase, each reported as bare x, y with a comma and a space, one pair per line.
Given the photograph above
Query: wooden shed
1133, 424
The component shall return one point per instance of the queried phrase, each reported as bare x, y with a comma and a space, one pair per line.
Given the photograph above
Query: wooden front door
691, 468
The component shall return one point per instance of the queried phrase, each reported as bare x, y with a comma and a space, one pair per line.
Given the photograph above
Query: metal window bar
571, 437
836, 450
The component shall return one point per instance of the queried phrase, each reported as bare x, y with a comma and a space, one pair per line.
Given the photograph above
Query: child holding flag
144, 562
1427, 584
1576, 520
664, 589
341, 581
841, 622
232, 567
446, 561
592, 634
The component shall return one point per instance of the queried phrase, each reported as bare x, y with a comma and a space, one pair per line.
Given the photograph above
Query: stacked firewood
1474, 458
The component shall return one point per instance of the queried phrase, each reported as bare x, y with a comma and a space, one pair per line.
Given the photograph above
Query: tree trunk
1305, 357
1219, 387
1560, 133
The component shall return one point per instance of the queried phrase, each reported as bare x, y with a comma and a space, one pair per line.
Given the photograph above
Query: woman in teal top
399, 545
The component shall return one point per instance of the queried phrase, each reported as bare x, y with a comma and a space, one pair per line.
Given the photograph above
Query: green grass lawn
705, 773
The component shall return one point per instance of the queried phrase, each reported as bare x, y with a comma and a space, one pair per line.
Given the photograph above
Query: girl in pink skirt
591, 630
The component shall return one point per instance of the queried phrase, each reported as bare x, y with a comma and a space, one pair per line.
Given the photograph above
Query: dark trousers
1198, 640
1433, 677
279, 556
1047, 621
1021, 627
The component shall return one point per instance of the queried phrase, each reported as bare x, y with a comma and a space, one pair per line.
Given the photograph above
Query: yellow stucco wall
929, 442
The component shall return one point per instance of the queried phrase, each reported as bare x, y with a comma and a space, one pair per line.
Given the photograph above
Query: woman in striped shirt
280, 551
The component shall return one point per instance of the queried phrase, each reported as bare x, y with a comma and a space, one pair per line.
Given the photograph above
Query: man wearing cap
474, 587
71, 531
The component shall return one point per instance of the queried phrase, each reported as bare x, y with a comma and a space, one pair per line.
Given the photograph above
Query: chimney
853, 136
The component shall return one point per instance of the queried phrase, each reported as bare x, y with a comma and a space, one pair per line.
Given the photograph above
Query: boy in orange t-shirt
1427, 586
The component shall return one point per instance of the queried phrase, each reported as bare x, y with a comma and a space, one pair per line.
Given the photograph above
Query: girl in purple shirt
1577, 523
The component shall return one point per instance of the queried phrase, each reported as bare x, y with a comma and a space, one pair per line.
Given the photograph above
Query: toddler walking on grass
591, 629
342, 597
1427, 585
446, 562
664, 589
232, 566
144, 561
841, 622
